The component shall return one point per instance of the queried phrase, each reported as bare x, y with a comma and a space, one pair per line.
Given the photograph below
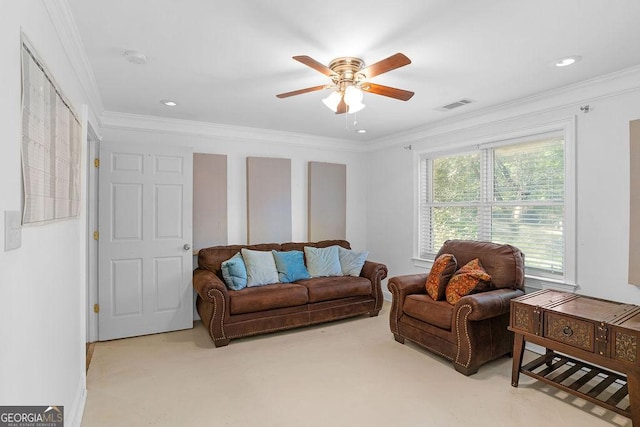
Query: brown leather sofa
229, 314
474, 330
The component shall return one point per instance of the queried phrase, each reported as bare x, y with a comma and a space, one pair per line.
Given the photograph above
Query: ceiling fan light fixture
354, 108
332, 101
353, 95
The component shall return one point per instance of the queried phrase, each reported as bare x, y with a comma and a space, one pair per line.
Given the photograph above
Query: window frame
564, 127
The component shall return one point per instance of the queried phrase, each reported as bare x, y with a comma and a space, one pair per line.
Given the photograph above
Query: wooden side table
592, 347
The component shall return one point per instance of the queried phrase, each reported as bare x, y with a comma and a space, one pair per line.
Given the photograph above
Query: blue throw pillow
290, 265
234, 272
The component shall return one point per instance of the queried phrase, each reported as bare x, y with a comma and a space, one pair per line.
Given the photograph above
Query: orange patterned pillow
469, 279
441, 272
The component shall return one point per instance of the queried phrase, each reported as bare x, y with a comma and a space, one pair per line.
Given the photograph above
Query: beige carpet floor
345, 373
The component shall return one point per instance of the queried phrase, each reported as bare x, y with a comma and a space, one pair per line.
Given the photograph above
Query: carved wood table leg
518, 347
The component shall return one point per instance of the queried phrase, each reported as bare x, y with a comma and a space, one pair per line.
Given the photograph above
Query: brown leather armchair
474, 330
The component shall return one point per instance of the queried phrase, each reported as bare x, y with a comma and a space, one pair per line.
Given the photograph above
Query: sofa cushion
280, 295
323, 262
443, 268
471, 278
424, 308
261, 267
290, 265
328, 288
234, 272
351, 262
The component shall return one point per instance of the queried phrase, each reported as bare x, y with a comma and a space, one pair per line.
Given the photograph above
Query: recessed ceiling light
361, 131
566, 61
169, 103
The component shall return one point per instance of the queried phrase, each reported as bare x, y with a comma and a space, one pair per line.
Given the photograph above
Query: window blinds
51, 147
503, 193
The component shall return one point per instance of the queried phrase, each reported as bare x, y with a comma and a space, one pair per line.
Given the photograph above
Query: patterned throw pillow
471, 278
441, 272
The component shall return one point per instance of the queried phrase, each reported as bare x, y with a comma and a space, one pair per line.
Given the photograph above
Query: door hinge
96, 308
96, 235
96, 162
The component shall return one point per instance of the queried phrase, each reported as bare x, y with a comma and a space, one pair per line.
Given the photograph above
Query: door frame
93, 152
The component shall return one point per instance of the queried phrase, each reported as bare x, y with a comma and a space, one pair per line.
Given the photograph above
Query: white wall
42, 284
602, 140
300, 154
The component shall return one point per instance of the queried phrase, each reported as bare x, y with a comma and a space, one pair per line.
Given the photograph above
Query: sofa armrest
486, 305
373, 271
376, 273
205, 282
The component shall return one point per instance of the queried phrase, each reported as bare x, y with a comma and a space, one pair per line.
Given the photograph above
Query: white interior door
145, 257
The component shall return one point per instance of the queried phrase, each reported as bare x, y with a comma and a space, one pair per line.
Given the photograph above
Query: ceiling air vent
455, 104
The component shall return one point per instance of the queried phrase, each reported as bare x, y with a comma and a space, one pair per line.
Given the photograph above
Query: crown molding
65, 26
143, 123
605, 86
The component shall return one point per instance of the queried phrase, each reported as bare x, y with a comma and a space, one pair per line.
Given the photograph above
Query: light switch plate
12, 230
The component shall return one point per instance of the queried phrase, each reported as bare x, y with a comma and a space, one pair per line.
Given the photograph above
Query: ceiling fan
350, 78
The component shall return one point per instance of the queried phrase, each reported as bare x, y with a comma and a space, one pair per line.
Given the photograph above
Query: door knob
187, 246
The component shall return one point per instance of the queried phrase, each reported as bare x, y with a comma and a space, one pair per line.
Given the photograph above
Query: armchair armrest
481, 322
486, 305
401, 286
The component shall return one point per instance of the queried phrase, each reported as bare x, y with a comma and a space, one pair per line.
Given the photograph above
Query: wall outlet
12, 230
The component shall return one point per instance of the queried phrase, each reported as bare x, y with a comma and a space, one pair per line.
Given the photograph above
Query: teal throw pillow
290, 265
323, 262
261, 267
351, 262
234, 272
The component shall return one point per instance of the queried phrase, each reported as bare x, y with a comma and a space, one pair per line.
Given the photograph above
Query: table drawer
525, 317
568, 330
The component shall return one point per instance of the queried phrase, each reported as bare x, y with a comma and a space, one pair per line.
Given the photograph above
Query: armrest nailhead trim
466, 333
215, 310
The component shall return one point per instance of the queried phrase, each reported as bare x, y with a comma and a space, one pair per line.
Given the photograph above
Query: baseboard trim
73, 415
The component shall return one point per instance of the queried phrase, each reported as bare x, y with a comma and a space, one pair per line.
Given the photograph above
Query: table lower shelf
589, 382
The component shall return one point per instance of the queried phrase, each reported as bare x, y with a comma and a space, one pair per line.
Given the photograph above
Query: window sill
531, 282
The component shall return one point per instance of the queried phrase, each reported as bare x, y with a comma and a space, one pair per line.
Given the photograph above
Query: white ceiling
224, 61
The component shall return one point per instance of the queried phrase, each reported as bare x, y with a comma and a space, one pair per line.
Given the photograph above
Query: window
508, 192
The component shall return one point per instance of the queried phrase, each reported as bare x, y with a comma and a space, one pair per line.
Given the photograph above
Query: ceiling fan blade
310, 62
342, 106
391, 92
391, 63
301, 91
